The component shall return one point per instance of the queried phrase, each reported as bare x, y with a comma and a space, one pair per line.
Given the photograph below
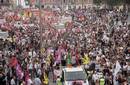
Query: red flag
13, 61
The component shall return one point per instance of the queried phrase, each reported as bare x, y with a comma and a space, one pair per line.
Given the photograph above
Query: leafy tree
127, 2
97, 2
114, 2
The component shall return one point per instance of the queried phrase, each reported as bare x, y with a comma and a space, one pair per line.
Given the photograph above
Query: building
49, 2
4, 3
67, 2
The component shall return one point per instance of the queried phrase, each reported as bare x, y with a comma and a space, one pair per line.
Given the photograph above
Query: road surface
51, 79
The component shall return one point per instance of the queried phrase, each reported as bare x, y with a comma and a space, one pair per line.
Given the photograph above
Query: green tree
69, 58
127, 2
97, 2
114, 2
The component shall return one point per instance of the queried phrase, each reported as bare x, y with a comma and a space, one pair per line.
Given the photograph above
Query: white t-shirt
95, 77
36, 65
97, 58
128, 68
57, 72
30, 66
32, 54
12, 82
125, 67
37, 81
39, 72
73, 60
29, 82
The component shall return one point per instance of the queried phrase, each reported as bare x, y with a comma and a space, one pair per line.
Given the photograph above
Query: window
2, 1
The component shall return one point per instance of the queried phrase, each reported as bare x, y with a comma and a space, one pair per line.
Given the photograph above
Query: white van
74, 76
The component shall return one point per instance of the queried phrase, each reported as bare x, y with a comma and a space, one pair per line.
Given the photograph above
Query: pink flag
19, 71
58, 56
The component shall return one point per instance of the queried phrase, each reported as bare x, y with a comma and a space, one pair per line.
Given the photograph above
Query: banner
117, 69
4, 35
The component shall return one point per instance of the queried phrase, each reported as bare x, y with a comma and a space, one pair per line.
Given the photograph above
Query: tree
127, 2
114, 2
97, 2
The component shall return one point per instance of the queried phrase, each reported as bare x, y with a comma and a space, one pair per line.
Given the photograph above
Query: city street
84, 42
51, 79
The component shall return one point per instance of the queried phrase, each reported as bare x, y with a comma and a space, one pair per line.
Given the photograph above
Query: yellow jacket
45, 80
85, 60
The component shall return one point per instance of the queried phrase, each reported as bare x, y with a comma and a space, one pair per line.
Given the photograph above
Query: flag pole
40, 27
82, 3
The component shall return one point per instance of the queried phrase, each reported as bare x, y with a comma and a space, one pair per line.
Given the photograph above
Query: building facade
48, 2
67, 2
4, 2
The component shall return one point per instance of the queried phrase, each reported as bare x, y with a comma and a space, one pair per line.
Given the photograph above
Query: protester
97, 39
13, 81
37, 81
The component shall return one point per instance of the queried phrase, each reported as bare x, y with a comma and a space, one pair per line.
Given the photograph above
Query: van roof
73, 69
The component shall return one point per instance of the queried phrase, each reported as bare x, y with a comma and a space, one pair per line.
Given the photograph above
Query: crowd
97, 39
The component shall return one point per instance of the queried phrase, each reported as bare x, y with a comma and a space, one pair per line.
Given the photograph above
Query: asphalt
51, 79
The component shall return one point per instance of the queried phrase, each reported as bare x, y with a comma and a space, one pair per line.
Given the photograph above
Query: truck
74, 76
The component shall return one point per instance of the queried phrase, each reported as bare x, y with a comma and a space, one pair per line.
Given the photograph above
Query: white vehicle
74, 76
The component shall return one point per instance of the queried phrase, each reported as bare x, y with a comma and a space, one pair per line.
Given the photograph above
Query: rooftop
73, 69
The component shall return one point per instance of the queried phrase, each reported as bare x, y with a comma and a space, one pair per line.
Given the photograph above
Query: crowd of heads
102, 34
